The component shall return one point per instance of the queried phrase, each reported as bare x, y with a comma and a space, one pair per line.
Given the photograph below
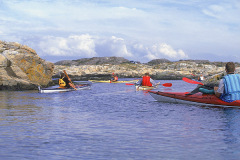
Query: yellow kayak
108, 81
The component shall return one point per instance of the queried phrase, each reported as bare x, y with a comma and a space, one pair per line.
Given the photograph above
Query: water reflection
231, 128
114, 122
18, 107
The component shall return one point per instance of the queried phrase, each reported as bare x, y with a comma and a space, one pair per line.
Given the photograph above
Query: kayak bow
198, 98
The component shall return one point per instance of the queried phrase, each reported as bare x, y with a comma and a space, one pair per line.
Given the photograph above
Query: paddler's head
62, 74
230, 67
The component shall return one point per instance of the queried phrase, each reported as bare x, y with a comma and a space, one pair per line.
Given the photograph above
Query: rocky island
161, 69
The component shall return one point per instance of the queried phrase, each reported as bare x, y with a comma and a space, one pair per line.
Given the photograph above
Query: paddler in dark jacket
208, 85
64, 82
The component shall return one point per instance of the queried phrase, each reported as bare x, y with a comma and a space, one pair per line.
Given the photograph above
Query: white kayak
145, 87
140, 87
58, 89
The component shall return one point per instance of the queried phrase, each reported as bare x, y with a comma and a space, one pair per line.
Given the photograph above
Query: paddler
114, 78
64, 82
209, 84
229, 86
146, 81
217, 86
201, 78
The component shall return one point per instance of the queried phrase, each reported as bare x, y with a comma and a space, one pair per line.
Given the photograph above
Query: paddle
69, 80
164, 84
129, 84
191, 81
167, 84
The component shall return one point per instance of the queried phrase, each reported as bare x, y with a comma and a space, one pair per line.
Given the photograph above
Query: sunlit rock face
21, 68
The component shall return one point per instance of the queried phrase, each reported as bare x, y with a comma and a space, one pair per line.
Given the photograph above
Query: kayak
139, 87
198, 98
145, 87
58, 89
108, 81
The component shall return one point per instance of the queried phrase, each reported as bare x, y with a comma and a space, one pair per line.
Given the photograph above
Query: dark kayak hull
199, 99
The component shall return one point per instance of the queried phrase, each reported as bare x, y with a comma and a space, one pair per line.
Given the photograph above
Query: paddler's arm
73, 86
219, 90
153, 82
217, 94
115, 79
139, 83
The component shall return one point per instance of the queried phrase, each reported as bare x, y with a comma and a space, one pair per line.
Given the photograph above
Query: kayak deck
198, 98
108, 81
145, 87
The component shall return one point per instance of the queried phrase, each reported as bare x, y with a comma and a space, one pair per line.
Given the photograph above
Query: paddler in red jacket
146, 81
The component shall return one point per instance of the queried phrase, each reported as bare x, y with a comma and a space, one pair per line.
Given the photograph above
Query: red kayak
198, 98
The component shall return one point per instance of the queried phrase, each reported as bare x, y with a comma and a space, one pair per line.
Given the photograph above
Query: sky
139, 30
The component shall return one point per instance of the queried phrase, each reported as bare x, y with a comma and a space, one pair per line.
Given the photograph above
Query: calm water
113, 121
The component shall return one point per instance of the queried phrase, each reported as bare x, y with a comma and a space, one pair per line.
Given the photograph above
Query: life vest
146, 81
231, 88
62, 83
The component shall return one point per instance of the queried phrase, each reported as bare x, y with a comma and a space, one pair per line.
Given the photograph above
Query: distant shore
163, 71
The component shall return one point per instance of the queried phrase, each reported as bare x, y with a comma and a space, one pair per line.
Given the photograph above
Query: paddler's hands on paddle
73, 86
157, 84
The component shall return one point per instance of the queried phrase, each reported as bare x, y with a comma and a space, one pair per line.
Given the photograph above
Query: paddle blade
191, 81
167, 84
129, 84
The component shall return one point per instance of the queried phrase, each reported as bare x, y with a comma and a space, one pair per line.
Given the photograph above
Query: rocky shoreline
160, 69
22, 69
164, 71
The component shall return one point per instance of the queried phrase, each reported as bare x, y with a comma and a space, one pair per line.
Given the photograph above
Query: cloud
76, 45
109, 28
168, 51
113, 46
80, 46
224, 12
85, 45
160, 50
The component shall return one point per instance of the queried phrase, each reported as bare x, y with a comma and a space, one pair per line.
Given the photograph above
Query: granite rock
21, 68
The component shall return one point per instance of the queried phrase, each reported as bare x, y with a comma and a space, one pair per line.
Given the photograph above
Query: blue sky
139, 30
